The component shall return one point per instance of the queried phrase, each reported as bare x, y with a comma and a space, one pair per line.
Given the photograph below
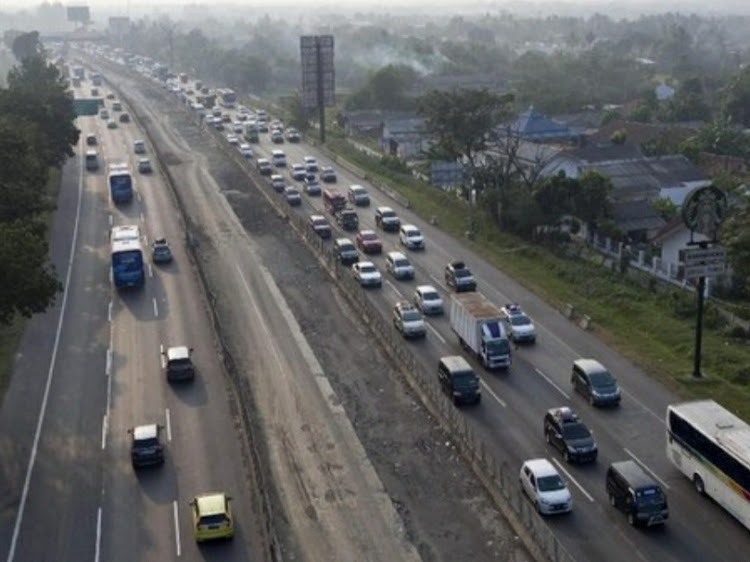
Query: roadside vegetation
37, 133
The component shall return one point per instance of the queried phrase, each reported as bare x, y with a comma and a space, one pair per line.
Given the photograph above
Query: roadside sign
710, 270
318, 74
85, 106
704, 256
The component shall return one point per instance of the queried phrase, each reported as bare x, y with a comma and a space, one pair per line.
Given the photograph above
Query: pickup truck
459, 277
480, 327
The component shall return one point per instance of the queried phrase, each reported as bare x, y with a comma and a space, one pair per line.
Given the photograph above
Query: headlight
456, 393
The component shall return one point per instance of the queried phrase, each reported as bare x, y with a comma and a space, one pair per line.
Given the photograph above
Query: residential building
531, 125
405, 138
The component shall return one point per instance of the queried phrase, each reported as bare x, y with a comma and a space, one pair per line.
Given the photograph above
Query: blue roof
534, 125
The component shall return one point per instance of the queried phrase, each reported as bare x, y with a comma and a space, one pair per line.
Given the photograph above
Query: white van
278, 158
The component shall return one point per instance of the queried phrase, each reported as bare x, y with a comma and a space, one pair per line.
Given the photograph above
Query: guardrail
496, 475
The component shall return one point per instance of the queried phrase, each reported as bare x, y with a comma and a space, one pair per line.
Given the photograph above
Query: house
671, 239
531, 125
406, 138
638, 219
369, 122
638, 134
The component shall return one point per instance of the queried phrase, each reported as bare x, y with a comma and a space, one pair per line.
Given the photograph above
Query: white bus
711, 446
227, 98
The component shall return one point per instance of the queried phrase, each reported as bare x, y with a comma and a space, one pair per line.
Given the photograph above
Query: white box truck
479, 325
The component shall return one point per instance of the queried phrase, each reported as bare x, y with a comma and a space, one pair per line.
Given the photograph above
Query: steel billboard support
321, 100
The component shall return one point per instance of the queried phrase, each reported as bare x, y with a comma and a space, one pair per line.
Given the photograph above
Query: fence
497, 476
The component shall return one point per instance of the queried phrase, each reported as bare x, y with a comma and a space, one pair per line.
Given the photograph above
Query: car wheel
546, 438
612, 500
566, 456
700, 487
591, 399
538, 507
631, 519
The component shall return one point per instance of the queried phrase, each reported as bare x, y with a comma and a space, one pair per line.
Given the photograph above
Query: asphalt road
510, 418
83, 500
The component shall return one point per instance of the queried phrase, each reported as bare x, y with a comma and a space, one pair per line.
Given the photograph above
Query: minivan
595, 383
398, 265
635, 493
278, 158
345, 251
458, 380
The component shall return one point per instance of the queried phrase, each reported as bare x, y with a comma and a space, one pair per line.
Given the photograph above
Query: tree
591, 198
737, 101
462, 121
735, 235
386, 88
26, 46
37, 92
28, 283
24, 171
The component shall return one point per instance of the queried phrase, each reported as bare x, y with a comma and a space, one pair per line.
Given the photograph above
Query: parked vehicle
479, 325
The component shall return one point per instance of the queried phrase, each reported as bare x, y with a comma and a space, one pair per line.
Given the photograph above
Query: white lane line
109, 312
161, 356
437, 334
48, 385
145, 240
150, 271
642, 405
104, 432
169, 426
438, 282
176, 528
549, 380
395, 290
156, 308
111, 220
142, 218
646, 468
108, 363
97, 551
570, 477
492, 393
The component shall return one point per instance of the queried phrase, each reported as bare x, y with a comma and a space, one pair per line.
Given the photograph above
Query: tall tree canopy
462, 121
27, 45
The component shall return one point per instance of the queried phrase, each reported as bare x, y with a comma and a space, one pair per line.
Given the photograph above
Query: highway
510, 418
82, 499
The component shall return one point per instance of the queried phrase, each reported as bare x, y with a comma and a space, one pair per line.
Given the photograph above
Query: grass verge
651, 324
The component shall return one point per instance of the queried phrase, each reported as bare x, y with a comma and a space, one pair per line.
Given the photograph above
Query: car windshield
210, 520
575, 431
369, 236
389, 214
413, 234
464, 379
358, 191
649, 496
429, 296
146, 443
550, 483
520, 320
463, 273
347, 247
601, 378
367, 268
320, 222
411, 316
500, 347
401, 263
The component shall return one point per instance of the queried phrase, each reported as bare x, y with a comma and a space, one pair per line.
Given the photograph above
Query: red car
368, 242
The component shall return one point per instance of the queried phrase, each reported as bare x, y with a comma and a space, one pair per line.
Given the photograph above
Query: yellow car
212, 516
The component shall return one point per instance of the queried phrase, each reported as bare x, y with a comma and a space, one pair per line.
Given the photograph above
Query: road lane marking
549, 380
437, 282
437, 334
570, 477
646, 468
161, 356
111, 219
156, 308
97, 552
142, 217
104, 432
109, 312
492, 393
169, 427
150, 270
176, 528
108, 363
50, 372
395, 290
